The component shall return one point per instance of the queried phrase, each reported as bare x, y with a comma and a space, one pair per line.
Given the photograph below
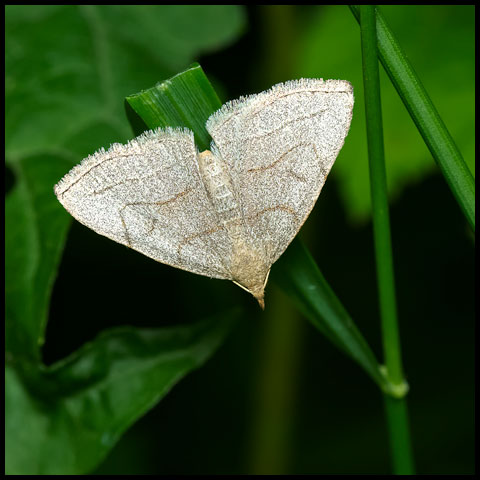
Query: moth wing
280, 146
148, 195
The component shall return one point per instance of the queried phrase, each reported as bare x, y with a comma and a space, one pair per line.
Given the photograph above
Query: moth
228, 212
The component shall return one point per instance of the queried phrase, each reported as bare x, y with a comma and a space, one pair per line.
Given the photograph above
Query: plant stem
383, 250
423, 112
399, 433
378, 186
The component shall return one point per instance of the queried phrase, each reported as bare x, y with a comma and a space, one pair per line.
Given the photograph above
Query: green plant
77, 408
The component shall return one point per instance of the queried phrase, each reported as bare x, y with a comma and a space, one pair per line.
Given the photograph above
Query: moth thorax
219, 186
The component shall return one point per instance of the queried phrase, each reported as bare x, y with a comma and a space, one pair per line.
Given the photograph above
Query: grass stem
397, 420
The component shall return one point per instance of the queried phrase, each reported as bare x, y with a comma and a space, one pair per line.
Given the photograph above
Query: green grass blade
298, 275
398, 425
426, 118
171, 103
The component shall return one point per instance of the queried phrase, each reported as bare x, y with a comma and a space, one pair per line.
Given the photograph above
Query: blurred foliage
68, 69
445, 63
63, 419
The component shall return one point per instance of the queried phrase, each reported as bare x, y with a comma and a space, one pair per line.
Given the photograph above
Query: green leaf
34, 238
60, 107
58, 91
68, 417
171, 103
426, 117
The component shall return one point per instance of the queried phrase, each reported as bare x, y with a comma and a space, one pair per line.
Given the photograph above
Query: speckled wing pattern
280, 146
148, 195
218, 213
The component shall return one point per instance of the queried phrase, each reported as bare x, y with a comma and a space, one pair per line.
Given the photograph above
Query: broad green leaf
67, 66
68, 416
63, 101
34, 238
